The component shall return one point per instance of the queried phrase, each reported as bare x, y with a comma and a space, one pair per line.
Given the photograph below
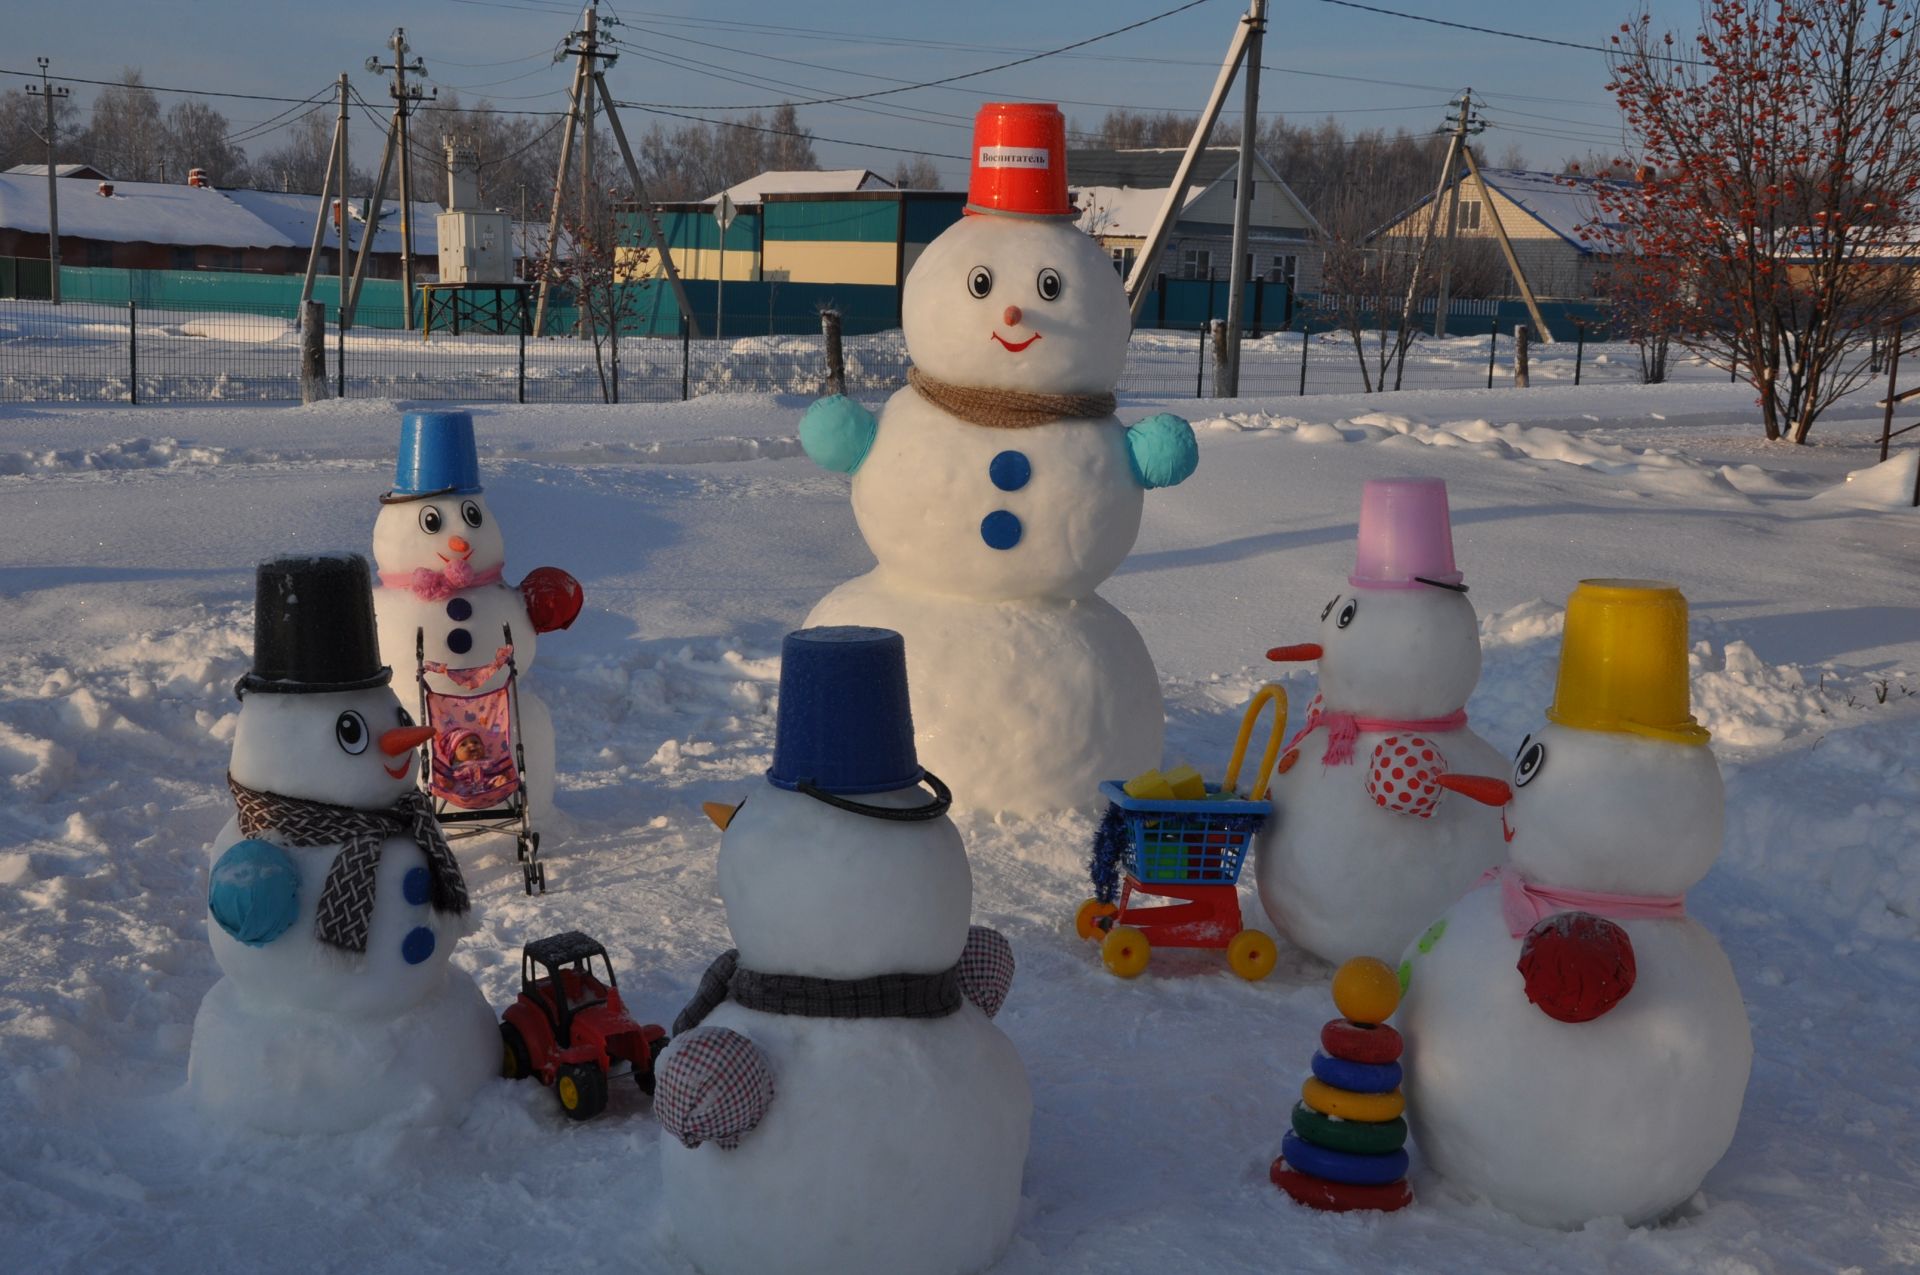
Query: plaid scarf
881, 996
346, 901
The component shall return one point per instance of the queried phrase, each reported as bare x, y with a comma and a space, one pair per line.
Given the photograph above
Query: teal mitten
837, 433
1162, 449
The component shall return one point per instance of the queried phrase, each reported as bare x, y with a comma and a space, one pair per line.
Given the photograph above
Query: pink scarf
1344, 728
1525, 905
432, 586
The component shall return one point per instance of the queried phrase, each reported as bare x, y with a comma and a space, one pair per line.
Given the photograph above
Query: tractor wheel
1125, 950
516, 1060
1251, 955
582, 1090
1086, 922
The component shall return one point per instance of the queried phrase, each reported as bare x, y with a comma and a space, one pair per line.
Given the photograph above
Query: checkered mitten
986, 968
1404, 775
714, 1086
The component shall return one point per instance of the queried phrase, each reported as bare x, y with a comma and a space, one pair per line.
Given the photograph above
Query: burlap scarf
346, 900
1008, 409
882, 996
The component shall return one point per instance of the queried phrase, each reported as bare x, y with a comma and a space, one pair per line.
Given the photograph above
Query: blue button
416, 886
1000, 529
1010, 471
418, 945
459, 609
459, 641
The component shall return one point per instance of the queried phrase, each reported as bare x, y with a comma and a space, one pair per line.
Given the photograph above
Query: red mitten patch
1404, 776
553, 598
1577, 966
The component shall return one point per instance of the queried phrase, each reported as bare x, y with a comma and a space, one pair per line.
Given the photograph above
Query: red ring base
1338, 1197
1361, 1042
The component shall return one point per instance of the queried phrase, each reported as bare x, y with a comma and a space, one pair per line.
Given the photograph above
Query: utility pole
330, 175
340, 185
406, 99
592, 37
1256, 22
48, 93
1464, 123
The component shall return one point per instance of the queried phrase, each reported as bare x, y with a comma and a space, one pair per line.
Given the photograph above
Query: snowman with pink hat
1365, 846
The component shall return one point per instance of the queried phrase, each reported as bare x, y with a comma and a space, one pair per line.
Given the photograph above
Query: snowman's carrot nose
1012, 316
1298, 651
458, 544
720, 812
404, 739
1484, 789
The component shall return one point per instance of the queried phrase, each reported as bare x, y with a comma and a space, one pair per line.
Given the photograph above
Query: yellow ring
1368, 1108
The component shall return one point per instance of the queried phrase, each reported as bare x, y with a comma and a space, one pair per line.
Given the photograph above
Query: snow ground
701, 536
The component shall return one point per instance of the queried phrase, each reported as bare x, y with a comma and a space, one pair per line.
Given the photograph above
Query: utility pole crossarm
49, 93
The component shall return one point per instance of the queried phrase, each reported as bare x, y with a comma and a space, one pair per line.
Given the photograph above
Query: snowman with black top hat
333, 904
837, 1096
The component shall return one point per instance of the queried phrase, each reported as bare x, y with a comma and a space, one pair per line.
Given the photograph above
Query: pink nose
1012, 316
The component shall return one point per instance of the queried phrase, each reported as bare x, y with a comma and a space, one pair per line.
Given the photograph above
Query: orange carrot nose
1295, 653
1484, 789
404, 739
720, 812
458, 544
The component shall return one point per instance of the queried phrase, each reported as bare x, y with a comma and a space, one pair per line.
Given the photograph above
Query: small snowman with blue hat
333, 903
836, 1096
999, 489
442, 562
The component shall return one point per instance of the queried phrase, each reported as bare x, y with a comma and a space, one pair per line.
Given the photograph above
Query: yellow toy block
1149, 786
1186, 783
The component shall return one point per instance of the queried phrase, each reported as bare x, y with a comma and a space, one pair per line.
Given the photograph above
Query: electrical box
476, 247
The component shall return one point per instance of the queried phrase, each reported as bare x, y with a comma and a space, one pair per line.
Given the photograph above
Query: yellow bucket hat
1623, 662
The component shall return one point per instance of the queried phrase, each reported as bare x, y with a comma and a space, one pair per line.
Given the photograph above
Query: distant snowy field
701, 535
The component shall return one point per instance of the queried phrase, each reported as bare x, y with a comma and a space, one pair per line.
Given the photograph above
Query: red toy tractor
570, 1026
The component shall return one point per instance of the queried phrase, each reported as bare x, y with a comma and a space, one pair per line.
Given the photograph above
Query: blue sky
1548, 101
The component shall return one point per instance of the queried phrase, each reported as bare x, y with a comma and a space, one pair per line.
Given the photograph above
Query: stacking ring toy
1352, 1136
1373, 1108
1356, 1077
1337, 1197
1361, 1042
1340, 1166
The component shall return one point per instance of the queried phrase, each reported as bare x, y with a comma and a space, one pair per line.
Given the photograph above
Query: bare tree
598, 288
917, 173
195, 136
126, 137
22, 119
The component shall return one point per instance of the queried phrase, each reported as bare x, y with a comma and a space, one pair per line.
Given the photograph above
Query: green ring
1352, 1136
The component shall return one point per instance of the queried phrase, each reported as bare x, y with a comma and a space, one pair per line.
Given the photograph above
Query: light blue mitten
838, 433
1163, 451
254, 893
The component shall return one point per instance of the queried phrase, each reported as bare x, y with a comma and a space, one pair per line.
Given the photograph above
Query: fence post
1493, 346
613, 339
686, 358
1579, 349
1893, 385
339, 350
133, 354
1200, 368
1220, 357
520, 381
313, 352
836, 382
1521, 333
1733, 366
1306, 336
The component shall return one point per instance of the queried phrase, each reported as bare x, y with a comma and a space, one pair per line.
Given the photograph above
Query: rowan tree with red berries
1778, 191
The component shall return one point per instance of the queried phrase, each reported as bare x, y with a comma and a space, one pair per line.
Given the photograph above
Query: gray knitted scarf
346, 900
881, 996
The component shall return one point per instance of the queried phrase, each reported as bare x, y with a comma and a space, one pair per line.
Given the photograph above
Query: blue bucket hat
438, 457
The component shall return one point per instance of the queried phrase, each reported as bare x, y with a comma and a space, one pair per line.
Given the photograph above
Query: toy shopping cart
1188, 850
475, 766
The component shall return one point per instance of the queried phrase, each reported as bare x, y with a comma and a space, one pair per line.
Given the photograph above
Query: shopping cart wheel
1086, 922
535, 876
1251, 955
1125, 951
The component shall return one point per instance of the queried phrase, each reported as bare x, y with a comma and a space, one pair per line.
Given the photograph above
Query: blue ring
1356, 1077
1342, 1167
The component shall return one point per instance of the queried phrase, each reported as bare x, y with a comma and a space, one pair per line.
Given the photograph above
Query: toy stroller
1186, 849
475, 767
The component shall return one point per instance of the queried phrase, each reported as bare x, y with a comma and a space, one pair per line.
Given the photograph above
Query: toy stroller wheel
1086, 922
643, 1076
1252, 955
582, 1090
1125, 950
516, 1060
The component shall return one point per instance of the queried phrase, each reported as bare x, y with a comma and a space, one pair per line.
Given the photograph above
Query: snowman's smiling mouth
401, 773
1505, 827
1015, 348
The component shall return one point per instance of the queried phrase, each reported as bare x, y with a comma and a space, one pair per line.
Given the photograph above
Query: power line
156, 88
1505, 35
784, 132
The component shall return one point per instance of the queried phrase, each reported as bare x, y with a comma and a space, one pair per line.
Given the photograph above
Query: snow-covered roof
1124, 211
59, 170
1563, 204
138, 212
825, 181
293, 214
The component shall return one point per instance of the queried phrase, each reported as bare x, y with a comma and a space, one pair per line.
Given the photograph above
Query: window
1123, 259
1196, 263
1285, 269
1469, 214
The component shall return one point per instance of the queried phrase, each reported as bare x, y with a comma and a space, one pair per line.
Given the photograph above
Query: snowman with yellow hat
1577, 1046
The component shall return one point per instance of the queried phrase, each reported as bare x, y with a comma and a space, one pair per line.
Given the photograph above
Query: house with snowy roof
141, 226
1120, 191
1552, 221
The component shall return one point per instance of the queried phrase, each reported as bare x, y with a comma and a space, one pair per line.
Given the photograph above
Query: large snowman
998, 490
836, 1098
442, 561
333, 904
1365, 847
1576, 1043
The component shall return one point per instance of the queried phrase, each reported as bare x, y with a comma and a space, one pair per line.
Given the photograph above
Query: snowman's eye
1048, 284
430, 520
980, 281
350, 732
1347, 612
406, 718
1327, 610
1532, 760
470, 513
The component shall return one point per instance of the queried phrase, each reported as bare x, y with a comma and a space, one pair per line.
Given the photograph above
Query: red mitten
986, 968
553, 598
1577, 966
1404, 775
714, 1086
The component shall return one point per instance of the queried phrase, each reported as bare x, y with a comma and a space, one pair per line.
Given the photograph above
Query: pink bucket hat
1406, 536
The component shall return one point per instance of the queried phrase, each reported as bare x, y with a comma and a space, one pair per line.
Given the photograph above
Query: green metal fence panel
833, 220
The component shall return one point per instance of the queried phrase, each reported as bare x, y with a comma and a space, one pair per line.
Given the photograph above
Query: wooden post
1220, 370
836, 382
1493, 346
1579, 348
1200, 368
313, 352
1306, 338
1893, 377
1520, 335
